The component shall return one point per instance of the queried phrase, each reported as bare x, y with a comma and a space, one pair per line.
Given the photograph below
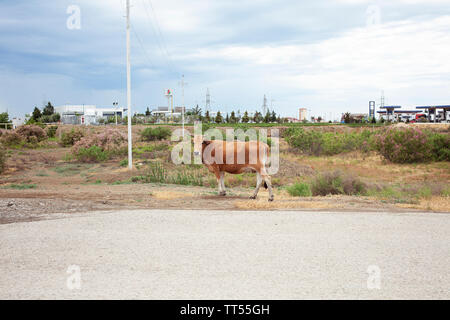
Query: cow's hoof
253, 197
271, 199
223, 193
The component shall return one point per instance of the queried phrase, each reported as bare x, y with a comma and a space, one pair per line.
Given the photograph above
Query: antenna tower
208, 101
264, 106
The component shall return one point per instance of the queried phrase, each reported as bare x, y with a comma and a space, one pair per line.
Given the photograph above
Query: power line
169, 59
158, 42
142, 46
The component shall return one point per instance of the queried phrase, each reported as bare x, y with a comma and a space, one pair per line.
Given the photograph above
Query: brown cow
245, 156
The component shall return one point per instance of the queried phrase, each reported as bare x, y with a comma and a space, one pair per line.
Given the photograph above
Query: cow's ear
206, 142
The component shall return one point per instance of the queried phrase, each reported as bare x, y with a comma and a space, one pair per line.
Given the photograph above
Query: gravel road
175, 254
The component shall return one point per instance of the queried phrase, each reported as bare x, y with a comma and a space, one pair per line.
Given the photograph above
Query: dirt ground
41, 182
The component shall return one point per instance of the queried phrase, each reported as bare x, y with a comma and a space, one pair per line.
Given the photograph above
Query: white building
87, 114
17, 122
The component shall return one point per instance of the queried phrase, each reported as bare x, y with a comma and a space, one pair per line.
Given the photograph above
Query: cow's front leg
258, 185
222, 192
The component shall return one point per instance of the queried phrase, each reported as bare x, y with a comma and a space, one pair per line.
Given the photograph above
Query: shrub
123, 163
2, 159
440, 145
10, 138
406, 145
51, 131
335, 183
111, 142
71, 137
158, 133
91, 154
31, 133
300, 189
319, 143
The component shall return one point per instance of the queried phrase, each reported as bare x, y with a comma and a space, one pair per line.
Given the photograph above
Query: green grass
20, 186
123, 163
390, 193
300, 189
42, 174
71, 169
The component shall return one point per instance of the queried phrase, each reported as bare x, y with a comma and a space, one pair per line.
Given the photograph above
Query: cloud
318, 54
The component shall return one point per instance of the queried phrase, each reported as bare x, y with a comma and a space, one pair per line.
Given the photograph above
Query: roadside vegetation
397, 145
404, 166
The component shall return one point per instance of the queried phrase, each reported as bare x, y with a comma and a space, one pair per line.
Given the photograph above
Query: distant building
86, 114
302, 114
292, 120
17, 122
357, 117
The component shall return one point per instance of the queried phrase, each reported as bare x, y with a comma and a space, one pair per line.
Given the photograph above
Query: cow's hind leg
259, 181
223, 192
266, 179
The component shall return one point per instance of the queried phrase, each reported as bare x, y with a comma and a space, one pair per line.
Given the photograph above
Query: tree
227, 118
197, 111
375, 121
36, 114
48, 110
4, 117
207, 118
319, 119
233, 117
219, 118
257, 118
267, 117
273, 117
347, 117
147, 112
245, 118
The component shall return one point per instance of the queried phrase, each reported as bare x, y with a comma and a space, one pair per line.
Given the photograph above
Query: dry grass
436, 204
283, 204
171, 195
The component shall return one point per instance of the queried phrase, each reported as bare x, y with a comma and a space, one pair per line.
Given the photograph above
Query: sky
329, 56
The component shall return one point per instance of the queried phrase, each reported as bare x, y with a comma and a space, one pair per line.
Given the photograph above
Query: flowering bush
406, 145
31, 133
10, 138
111, 142
2, 159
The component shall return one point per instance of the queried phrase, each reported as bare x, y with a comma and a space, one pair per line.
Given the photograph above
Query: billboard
168, 92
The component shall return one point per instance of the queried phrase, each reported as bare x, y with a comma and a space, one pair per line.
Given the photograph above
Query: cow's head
200, 144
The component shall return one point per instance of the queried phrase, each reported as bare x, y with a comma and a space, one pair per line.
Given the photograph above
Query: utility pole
130, 149
182, 101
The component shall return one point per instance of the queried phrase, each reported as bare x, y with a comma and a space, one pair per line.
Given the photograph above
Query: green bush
313, 142
158, 133
71, 137
440, 146
91, 154
300, 189
336, 183
51, 131
123, 163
